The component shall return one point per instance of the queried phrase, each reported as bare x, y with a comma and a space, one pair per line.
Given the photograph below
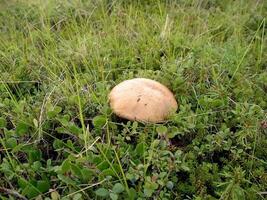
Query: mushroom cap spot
142, 99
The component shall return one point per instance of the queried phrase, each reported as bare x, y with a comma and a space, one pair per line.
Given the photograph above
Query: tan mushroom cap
143, 100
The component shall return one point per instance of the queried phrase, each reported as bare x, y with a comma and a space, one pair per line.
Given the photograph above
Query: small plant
59, 138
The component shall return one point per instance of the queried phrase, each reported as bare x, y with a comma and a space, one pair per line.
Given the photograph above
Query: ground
58, 136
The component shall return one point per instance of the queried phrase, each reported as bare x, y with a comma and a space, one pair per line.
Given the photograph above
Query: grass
60, 140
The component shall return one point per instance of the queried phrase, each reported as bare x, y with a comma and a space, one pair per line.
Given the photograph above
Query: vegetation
58, 136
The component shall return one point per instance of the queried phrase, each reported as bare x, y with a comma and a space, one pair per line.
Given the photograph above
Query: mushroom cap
142, 99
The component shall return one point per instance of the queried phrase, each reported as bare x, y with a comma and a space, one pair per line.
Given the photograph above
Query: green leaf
55, 195
161, 130
66, 180
113, 196
61, 129
132, 193
22, 183
149, 188
34, 155
76, 171
238, 193
169, 185
75, 130
22, 128
103, 165
63, 121
87, 174
65, 167
57, 109
51, 114
54, 112
148, 192
140, 149
18, 148
43, 186
99, 121
134, 125
77, 196
35, 122
58, 144
155, 143
185, 168
2, 122
36, 165
97, 159
30, 191
108, 172
173, 131
11, 143
132, 176
102, 192
118, 188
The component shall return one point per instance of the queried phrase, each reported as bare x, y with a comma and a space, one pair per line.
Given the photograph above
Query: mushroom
142, 99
